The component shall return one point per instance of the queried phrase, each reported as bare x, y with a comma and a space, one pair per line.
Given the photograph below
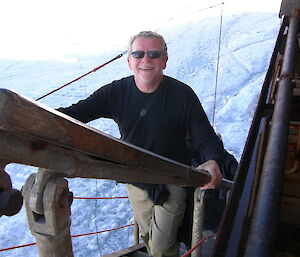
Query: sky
33, 62
43, 29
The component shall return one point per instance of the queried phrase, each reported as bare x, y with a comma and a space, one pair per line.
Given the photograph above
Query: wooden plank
45, 126
20, 149
128, 251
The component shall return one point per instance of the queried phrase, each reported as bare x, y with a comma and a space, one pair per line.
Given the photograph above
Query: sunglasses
151, 54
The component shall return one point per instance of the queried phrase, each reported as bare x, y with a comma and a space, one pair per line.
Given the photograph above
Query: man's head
147, 57
149, 34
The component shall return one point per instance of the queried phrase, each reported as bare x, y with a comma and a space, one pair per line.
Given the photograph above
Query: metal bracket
37, 191
47, 201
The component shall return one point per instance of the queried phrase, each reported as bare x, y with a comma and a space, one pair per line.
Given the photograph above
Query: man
155, 112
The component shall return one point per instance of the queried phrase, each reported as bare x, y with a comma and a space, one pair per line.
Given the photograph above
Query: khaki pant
159, 224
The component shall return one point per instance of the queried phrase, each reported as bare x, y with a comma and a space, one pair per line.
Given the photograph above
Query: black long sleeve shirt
175, 110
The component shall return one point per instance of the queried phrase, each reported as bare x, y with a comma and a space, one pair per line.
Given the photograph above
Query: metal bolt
66, 198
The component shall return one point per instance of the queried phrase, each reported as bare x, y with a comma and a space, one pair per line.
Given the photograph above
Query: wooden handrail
37, 135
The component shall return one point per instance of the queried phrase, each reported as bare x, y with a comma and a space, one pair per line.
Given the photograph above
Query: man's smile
146, 68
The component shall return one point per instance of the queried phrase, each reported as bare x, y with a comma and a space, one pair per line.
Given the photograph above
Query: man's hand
216, 176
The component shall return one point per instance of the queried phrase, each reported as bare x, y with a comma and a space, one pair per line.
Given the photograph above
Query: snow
246, 46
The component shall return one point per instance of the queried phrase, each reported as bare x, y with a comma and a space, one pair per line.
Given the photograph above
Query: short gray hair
149, 34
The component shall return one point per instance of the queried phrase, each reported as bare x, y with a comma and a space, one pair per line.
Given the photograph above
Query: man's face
147, 71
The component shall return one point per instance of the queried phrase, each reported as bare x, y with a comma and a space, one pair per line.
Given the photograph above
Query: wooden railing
62, 147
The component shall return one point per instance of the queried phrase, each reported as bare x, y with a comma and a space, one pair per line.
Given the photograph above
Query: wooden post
136, 233
198, 219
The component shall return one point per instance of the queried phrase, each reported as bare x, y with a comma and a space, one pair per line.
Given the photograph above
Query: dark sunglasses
151, 54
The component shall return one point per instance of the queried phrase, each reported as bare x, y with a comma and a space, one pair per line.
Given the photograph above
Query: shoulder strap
142, 114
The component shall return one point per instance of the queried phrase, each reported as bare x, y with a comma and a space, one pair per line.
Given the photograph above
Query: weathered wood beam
69, 163
34, 134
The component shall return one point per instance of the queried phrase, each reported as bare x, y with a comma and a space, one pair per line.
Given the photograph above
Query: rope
113, 59
94, 70
107, 230
87, 234
15, 247
197, 11
101, 198
96, 218
197, 245
218, 62
210, 7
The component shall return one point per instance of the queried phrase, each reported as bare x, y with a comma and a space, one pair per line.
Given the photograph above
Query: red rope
197, 245
101, 198
99, 67
15, 247
108, 230
112, 229
92, 233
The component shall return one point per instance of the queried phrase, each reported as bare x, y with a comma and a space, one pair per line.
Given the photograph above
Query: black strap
142, 114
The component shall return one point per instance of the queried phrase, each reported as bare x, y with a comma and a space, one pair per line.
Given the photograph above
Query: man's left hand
213, 169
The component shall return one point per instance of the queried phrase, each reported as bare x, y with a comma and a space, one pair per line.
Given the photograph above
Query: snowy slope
246, 46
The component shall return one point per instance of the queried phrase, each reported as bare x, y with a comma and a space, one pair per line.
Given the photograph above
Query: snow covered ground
246, 46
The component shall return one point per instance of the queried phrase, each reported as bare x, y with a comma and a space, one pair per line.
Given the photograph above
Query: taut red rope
99, 67
92, 233
196, 245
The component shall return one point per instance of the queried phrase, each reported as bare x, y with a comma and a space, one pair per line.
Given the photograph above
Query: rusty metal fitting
47, 201
295, 12
5, 181
289, 8
286, 76
66, 198
11, 200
